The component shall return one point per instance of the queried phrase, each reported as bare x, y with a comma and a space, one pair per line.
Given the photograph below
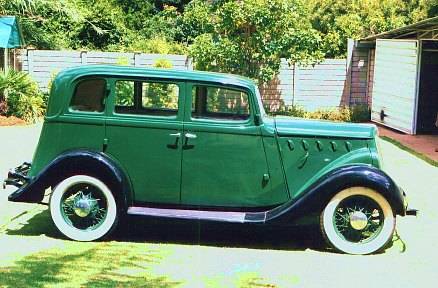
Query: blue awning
10, 33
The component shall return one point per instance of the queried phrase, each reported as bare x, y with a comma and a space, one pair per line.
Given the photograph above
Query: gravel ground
223, 261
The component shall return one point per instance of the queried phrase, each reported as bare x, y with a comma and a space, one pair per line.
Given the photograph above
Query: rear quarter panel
60, 136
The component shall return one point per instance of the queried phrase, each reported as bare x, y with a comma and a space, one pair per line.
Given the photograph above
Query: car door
223, 162
143, 134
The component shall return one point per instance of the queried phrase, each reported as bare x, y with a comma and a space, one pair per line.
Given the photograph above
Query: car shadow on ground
150, 230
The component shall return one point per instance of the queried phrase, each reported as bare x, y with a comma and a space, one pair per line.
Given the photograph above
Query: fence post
349, 70
189, 63
295, 83
84, 58
137, 56
30, 55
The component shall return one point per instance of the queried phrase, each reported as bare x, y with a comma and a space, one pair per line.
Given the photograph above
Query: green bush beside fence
358, 113
20, 96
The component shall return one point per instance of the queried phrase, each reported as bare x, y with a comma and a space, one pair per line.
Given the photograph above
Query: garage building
396, 73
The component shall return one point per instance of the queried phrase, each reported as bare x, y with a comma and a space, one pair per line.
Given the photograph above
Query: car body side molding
222, 216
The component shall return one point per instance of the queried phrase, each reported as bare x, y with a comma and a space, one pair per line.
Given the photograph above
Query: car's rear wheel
83, 208
358, 220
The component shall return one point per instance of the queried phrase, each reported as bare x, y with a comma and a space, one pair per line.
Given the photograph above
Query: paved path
425, 144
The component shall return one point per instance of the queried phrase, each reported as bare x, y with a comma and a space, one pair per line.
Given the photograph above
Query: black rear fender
77, 162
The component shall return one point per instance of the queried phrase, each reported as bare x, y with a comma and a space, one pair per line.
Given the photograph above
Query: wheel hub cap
358, 220
83, 205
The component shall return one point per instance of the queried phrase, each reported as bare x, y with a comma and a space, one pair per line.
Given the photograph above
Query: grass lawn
148, 253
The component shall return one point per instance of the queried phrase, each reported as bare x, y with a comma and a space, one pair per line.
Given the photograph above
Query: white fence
43, 65
312, 87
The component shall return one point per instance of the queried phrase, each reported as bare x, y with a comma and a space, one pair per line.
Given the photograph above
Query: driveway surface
152, 254
424, 144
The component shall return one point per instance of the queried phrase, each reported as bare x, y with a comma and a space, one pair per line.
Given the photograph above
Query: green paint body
259, 162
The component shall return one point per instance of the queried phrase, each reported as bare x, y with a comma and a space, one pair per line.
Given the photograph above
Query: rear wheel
358, 220
83, 208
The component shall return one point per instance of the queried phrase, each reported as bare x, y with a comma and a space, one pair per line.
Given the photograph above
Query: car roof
129, 71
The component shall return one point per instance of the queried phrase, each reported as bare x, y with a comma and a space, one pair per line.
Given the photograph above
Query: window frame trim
75, 84
112, 97
188, 116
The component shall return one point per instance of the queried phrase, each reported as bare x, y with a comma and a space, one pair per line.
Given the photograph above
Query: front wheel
83, 208
358, 220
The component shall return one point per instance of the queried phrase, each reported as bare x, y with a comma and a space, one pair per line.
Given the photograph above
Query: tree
338, 20
424, 9
249, 37
45, 24
96, 24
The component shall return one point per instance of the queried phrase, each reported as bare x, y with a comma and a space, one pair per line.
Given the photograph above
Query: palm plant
20, 96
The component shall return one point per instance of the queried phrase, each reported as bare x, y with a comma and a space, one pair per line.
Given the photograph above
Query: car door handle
175, 144
186, 142
177, 135
190, 136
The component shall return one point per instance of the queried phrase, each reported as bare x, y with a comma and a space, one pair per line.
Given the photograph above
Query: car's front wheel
83, 208
358, 220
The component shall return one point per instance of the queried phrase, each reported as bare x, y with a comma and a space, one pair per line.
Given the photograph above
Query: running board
234, 217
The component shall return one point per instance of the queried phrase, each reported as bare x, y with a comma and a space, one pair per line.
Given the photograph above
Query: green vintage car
196, 145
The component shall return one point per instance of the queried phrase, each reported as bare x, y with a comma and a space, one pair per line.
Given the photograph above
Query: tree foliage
96, 24
170, 26
249, 37
338, 20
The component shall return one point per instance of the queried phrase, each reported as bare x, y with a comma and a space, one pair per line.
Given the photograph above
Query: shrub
20, 96
358, 113
156, 45
341, 114
293, 111
163, 63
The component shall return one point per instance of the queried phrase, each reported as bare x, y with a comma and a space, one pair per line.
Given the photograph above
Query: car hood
288, 126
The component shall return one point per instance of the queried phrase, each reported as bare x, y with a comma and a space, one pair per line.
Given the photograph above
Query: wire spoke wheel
83, 208
358, 220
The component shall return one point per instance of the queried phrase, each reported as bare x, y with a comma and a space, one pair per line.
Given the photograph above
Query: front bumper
408, 211
18, 177
411, 212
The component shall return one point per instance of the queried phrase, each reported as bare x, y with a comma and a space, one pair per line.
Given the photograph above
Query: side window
219, 103
159, 96
89, 96
124, 94
146, 98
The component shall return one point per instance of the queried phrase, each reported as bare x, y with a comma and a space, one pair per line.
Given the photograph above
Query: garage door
395, 84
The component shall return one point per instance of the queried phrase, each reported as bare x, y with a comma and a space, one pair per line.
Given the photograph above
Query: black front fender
76, 162
314, 199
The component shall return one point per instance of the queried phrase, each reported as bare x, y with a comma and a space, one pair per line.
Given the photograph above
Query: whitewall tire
358, 220
83, 208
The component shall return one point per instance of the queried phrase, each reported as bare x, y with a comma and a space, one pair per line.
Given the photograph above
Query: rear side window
146, 98
89, 96
219, 103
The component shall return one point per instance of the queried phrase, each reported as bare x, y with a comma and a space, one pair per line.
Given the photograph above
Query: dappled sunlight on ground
150, 253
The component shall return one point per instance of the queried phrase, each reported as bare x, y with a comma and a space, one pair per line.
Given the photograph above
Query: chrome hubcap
83, 204
84, 207
358, 220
